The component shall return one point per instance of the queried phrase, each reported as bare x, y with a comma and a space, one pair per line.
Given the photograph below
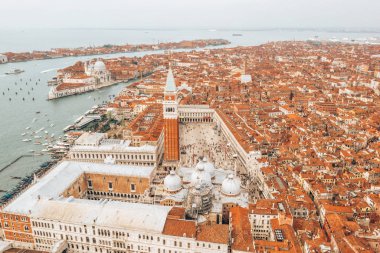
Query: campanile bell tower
171, 127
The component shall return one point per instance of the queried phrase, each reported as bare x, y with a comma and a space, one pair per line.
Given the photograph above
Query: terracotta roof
241, 230
181, 228
217, 233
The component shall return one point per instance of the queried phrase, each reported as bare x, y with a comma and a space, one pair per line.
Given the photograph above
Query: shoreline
119, 49
128, 81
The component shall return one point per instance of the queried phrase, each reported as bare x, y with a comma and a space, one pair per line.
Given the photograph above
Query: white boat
52, 124
34, 120
37, 137
14, 72
46, 132
78, 119
27, 128
68, 128
45, 144
52, 135
26, 140
44, 150
59, 143
23, 134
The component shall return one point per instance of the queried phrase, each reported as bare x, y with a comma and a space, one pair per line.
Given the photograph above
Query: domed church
98, 70
207, 193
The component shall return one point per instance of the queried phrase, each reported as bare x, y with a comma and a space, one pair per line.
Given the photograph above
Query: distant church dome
200, 176
99, 66
172, 182
231, 186
209, 166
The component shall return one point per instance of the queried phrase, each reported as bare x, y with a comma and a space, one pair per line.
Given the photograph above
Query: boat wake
48, 70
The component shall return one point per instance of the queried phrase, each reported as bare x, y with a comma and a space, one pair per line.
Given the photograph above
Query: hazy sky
207, 14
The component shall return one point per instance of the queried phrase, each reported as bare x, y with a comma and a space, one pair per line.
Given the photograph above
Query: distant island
106, 49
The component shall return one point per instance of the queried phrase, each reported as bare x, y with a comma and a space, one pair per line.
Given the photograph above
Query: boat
27, 128
26, 140
39, 130
37, 137
23, 134
237, 34
37, 112
52, 124
53, 82
14, 72
78, 119
46, 132
69, 127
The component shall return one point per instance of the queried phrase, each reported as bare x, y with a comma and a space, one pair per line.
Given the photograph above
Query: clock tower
171, 127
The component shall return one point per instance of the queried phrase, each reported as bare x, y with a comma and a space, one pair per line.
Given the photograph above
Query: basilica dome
209, 166
200, 176
231, 186
99, 66
172, 182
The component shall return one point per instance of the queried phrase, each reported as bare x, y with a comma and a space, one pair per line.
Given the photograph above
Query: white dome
231, 186
209, 166
99, 66
172, 182
200, 176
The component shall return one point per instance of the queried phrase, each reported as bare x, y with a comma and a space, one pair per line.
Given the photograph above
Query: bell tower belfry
171, 126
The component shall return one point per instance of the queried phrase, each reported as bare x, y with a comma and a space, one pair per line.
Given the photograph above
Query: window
26, 228
133, 187
89, 183
110, 186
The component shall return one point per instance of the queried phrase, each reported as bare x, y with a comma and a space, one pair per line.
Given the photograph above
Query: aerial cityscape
174, 140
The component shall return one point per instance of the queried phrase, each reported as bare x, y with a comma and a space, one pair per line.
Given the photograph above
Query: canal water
19, 111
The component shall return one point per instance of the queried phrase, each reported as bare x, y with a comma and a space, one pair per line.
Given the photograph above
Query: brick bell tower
171, 127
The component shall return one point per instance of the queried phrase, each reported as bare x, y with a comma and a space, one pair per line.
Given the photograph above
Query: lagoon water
16, 114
